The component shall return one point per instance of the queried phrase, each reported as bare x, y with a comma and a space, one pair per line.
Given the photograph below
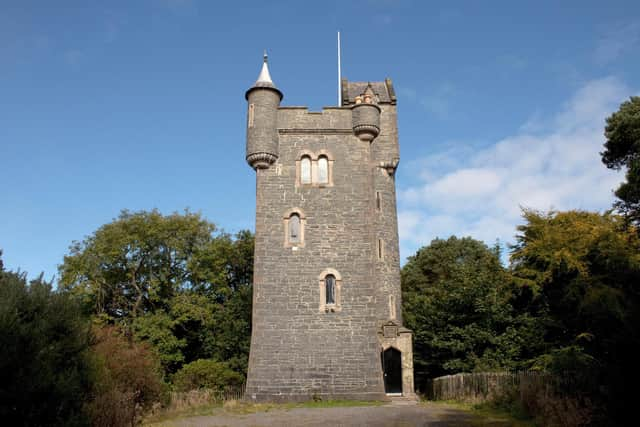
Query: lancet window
330, 289
314, 169
293, 221
294, 228
305, 170
330, 283
323, 170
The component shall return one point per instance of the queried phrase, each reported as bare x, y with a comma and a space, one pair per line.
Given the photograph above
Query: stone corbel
390, 167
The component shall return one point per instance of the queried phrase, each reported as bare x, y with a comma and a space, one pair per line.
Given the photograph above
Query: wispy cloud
616, 42
480, 193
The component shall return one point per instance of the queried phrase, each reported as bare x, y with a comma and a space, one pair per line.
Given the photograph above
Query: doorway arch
392, 370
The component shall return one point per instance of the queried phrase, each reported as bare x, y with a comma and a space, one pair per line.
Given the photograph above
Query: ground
389, 415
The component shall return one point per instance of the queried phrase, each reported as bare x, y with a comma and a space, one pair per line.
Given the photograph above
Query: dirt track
369, 416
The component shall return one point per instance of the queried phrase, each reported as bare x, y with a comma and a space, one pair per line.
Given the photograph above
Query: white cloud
480, 193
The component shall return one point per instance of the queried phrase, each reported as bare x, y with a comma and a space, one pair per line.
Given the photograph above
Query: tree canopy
569, 304
622, 150
456, 300
579, 274
44, 340
173, 281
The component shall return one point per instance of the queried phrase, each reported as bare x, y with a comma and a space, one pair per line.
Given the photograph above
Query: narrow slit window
323, 170
294, 228
330, 289
378, 201
251, 114
305, 170
380, 250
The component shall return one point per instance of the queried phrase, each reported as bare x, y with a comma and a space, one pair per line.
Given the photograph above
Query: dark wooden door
392, 367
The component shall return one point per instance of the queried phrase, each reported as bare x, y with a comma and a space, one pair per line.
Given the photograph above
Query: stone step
404, 400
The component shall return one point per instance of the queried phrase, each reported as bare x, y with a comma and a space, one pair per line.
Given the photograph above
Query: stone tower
327, 319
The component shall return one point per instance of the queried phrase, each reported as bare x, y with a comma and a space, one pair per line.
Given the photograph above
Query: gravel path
391, 415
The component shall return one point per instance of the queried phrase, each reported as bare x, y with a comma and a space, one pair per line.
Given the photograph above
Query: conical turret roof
264, 79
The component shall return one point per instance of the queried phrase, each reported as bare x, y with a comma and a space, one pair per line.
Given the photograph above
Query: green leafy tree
456, 300
44, 340
579, 274
622, 150
232, 330
171, 281
136, 263
158, 329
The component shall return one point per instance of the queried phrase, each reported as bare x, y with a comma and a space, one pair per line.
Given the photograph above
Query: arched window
323, 170
294, 228
305, 170
330, 282
293, 221
330, 289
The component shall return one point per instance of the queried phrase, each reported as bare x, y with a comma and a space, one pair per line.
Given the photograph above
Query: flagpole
339, 75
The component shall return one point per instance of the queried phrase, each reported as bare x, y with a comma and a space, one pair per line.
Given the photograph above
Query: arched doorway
392, 369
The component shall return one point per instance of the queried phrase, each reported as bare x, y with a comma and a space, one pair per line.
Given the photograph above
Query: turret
366, 115
262, 127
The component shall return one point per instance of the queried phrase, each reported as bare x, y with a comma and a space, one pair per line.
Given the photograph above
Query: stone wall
301, 348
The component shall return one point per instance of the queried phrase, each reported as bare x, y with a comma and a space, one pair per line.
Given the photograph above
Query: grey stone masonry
325, 289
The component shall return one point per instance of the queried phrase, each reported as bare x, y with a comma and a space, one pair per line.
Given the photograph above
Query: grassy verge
486, 414
234, 407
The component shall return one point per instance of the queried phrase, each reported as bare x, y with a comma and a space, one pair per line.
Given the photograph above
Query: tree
44, 339
622, 150
171, 281
579, 273
136, 263
456, 300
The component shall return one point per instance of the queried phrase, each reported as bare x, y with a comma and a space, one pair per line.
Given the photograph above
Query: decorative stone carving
261, 160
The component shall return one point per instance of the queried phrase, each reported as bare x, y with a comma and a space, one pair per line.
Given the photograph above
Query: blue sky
137, 105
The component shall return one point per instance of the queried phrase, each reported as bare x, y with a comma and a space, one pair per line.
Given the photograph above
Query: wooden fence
483, 386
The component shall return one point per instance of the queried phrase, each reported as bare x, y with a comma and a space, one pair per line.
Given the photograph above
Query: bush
126, 379
43, 347
206, 373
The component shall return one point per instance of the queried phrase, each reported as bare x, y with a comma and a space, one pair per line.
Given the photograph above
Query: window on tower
293, 221
314, 169
330, 283
330, 289
294, 228
305, 170
323, 170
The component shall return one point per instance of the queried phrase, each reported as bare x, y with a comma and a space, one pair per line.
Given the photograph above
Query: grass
234, 407
486, 414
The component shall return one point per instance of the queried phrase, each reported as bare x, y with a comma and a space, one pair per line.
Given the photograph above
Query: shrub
126, 379
206, 373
